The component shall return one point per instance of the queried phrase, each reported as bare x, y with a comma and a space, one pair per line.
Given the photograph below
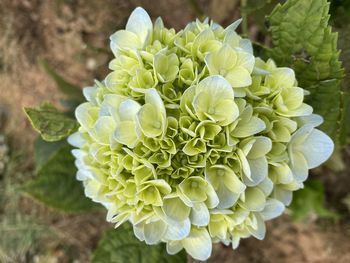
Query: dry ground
63, 32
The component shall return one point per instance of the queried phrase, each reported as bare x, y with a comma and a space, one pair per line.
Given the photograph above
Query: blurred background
72, 36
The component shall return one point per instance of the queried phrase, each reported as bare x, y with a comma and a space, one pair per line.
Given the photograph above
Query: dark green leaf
303, 40
56, 186
50, 123
310, 201
67, 88
44, 150
121, 246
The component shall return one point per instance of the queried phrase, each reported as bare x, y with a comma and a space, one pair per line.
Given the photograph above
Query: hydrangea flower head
191, 138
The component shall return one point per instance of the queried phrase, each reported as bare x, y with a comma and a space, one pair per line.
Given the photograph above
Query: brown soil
61, 32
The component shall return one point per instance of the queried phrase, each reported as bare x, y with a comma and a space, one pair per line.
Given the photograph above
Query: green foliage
44, 150
50, 123
303, 40
121, 246
55, 183
310, 200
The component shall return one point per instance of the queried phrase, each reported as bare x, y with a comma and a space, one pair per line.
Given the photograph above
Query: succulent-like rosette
191, 138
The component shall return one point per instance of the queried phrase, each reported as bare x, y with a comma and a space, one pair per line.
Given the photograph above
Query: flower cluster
191, 138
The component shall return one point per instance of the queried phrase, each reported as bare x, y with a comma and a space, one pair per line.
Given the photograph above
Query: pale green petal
216, 86
246, 129
246, 59
313, 119
150, 121
273, 208
87, 115
128, 110
239, 77
260, 148
234, 25
299, 167
285, 196
254, 199
76, 140
281, 78
221, 60
178, 230
194, 189
124, 39
125, 133
199, 215
140, 23
258, 169
103, 129
260, 231
175, 209
173, 247
317, 148
154, 232
246, 45
198, 244
226, 198
152, 97
244, 163
212, 200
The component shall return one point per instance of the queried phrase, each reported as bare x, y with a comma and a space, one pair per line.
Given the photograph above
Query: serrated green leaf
303, 40
56, 186
66, 87
121, 246
50, 123
310, 201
